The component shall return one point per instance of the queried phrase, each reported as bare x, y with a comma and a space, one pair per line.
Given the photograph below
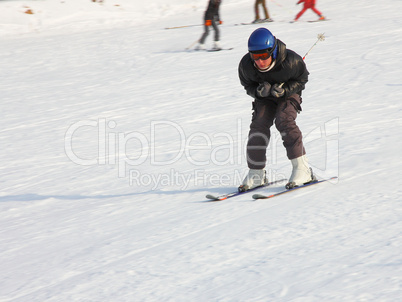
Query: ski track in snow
74, 232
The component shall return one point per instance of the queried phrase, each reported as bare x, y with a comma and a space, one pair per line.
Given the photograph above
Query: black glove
277, 91
263, 90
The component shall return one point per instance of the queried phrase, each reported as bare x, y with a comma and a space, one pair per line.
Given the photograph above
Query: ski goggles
260, 56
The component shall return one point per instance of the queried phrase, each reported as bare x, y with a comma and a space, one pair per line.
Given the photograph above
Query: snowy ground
111, 136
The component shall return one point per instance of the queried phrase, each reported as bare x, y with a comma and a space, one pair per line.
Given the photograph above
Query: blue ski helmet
263, 39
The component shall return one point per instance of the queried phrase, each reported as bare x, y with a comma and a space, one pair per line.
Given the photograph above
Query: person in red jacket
309, 4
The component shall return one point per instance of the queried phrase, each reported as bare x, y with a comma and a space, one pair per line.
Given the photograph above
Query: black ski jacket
212, 12
289, 69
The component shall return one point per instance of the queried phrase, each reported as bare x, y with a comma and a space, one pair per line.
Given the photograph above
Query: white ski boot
217, 46
301, 173
253, 179
200, 46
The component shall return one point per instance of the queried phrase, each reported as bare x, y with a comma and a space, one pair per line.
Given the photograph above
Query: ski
211, 197
244, 23
219, 49
208, 50
183, 26
251, 23
308, 21
262, 196
312, 21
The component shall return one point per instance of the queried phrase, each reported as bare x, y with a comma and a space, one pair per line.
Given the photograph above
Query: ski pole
191, 45
182, 26
280, 5
320, 37
277, 3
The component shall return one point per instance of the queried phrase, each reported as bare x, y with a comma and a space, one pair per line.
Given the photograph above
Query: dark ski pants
206, 32
264, 8
265, 114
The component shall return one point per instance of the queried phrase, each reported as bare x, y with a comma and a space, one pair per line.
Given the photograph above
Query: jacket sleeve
217, 16
298, 79
212, 12
249, 85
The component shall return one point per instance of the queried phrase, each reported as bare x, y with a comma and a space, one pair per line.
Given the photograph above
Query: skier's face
263, 64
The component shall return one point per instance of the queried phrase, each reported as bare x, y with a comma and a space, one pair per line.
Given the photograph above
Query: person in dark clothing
264, 9
211, 18
275, 77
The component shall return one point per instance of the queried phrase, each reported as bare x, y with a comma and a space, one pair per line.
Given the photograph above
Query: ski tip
215, 198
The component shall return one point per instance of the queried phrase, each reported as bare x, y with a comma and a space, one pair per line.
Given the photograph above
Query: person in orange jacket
309, 4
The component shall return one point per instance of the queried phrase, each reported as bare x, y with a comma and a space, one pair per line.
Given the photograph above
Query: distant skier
275, 77
211, 18
257, 14
309, 4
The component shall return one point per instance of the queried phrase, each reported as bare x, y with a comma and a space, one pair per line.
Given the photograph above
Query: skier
308, 4
257, 14
275, 77
211, 18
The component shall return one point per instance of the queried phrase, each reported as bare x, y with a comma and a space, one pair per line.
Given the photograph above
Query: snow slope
112, 134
